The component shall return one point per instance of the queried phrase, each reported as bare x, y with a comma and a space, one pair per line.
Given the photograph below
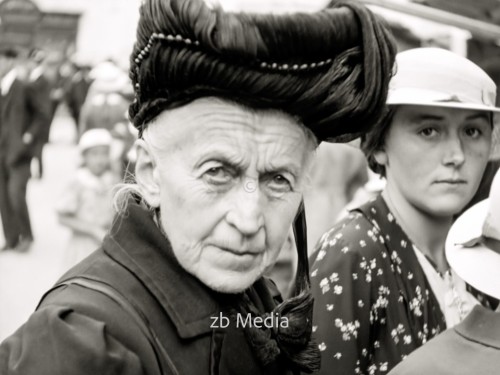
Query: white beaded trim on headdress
264, 65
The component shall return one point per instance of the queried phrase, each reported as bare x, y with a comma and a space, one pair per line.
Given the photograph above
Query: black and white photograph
245, 187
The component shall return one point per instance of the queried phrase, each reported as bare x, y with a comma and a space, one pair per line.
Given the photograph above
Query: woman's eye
218, 175
280, 183
473, 132
428, 132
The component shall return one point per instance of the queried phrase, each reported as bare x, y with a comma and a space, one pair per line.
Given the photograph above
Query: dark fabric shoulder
57, 340
117, 322
437, 356
100, 308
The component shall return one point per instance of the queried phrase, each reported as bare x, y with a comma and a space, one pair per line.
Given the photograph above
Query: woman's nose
454, 151
246, 213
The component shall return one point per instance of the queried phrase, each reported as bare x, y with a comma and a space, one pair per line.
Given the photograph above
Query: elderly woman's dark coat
79, 330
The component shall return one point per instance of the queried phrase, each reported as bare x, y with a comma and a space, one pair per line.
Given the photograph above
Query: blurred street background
83, 48
25, 276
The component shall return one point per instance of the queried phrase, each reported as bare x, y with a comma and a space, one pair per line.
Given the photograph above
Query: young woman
381, 282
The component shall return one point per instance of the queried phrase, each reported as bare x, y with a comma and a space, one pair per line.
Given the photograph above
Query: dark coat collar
136, 242
482, 326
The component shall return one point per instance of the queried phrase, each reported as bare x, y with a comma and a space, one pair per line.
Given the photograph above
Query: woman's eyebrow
424, 117
287, 166
479, 115
474, 116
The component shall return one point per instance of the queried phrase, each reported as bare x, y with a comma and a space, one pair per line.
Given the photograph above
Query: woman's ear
147, 175
381, 157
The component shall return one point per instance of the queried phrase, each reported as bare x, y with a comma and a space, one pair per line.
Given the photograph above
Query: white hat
473, 243
440, 78
93, 138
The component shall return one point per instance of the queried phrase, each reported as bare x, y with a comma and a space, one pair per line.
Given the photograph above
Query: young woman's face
97, 159
435, 157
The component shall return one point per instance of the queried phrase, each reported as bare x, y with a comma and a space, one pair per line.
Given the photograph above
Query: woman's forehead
415, 113
208, 118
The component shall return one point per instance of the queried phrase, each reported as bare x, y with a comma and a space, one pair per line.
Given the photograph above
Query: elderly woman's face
229, 183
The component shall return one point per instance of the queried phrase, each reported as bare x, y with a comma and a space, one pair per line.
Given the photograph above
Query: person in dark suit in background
42, 83
17, 136
76, 89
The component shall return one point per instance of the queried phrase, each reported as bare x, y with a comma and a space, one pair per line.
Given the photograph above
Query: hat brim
434, 99
477, 265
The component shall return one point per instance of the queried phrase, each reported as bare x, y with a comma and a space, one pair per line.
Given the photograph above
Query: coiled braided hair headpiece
330, 69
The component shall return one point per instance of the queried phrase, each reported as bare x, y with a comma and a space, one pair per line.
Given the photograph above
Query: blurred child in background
85, 206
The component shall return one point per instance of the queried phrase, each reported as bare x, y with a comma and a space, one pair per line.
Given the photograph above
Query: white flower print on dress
397, 332
383, 302
321, 255
324, 285
334, 277
383, 367
349, 330
372, 369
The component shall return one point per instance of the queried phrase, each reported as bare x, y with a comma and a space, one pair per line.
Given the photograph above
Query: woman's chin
229, 282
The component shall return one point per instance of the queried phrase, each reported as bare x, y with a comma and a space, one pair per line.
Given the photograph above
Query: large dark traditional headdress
329, 69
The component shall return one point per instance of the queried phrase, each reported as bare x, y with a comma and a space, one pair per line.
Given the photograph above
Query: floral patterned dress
373, 303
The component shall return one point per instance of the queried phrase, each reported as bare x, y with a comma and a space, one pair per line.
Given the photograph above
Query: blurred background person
85, 205
106, 107
107, 99
76, 88
17, 137
42, 81
473, 251
380, 279
338, 172
122, 149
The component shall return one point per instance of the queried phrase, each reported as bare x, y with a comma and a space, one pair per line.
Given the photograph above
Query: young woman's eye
473, 132
428, 132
